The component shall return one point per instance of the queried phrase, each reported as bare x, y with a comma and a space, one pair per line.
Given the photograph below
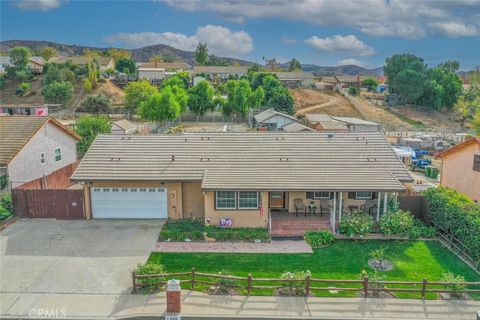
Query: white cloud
341, 44
220, 40
288, 40
455, 29
381, 18
40, 5
350, 61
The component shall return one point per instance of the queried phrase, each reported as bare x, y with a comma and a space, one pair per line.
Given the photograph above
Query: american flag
260, 207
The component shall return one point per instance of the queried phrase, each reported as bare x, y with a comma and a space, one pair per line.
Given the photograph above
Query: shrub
4, 213
356, 224
421, 230
3, 83
87, 84
399, 222
353, 91
223, 286
318, 239
294, 288
455, 286
150, 284
7, 202
25, 86
456, 214
3, 182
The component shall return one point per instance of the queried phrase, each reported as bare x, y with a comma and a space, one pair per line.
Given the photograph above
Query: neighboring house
323, 122
157, 71
296, 127
35, 64
213, 73
24, 109
350, 81
124, 127
271, 120
461, 168
240, 176
296, 79
104, 62
33, 147
358, 125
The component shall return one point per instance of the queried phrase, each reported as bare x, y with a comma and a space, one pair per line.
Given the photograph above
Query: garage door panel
129, 203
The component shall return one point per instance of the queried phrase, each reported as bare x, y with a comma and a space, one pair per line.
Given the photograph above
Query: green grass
413, 261
416, 123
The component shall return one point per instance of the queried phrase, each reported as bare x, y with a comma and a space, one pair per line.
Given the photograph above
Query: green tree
353, 91
88, 128
401, 62
118, 54
201, 54
432, 94
467, 107
269, 83
160, 106
254, 68
239, 92
20, 57
256, 99
135, 93
180, 79
476, 123
370, 83
126, 65
200, 98
93, 72
281, 100
58, 92
48, 52
181, 95
97, 104
409, 85
51, 74
2, 82
294, 65
87, 85
216, 61
450, 66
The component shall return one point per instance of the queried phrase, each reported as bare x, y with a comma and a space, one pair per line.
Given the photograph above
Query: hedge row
456, 214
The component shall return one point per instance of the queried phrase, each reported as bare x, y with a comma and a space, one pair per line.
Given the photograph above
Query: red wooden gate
49, 203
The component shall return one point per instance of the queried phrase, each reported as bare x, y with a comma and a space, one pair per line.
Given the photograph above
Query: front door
277, 199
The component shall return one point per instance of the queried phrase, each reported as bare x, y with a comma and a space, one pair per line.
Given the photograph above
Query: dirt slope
329, 102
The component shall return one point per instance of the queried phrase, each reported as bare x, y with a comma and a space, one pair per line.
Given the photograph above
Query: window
42, 158
321, 195
58, 154
115, 190
248, 200
124, 190
106, 189
143, 190
363, 195
226, 200
151, 190
276, 195
133, 190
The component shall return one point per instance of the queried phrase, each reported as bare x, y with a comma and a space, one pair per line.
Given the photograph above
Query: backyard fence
417, 205
364, 285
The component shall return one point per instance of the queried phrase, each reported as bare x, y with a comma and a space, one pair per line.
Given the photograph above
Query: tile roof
16, 131
267, 114
274, 161
81, 60
294, 75
296, 127
327, 122
125, 124
166, 65
355, 121
459, 146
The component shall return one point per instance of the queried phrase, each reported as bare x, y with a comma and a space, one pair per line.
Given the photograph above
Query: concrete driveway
61, 256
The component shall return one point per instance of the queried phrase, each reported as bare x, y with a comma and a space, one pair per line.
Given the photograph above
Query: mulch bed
221, 291
383, 265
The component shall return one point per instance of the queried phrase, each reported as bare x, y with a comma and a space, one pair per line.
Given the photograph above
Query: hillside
139, 54
350, 70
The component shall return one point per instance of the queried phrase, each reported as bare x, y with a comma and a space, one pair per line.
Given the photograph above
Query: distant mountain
139, 54
145, 53
350, 70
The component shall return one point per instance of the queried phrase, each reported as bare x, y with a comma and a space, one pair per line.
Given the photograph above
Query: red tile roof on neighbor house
474, 139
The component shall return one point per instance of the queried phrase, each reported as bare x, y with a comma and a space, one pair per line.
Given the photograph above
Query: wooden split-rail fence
310, 284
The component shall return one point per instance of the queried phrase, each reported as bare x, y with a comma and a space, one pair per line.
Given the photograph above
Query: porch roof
281, 179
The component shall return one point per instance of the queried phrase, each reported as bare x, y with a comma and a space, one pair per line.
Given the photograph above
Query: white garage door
129, 203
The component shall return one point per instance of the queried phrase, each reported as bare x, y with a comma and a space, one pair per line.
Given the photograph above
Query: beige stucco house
461, 168
33, 147
240, 176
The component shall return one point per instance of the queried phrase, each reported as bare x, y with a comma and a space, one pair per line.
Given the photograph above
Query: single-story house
461, 168
220, 72
358, 125
104, 62
323, 122
24, 109
272, 120
33, 147
157, 71
239, 176
124, 127
296, 127
296, 79
350, 81
35, 64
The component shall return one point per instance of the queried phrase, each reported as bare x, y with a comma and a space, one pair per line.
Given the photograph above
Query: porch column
340, 206
334, 212
378, 206
385, 199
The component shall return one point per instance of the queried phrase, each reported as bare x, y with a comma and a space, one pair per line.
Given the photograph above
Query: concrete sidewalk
196, 305
282, 246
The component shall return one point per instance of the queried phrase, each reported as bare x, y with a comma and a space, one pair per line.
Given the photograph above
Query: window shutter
351, 195
309, 195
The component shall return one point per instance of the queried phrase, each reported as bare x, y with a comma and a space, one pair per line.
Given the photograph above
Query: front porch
294, 213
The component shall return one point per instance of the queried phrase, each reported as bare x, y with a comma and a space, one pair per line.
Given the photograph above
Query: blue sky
314, 31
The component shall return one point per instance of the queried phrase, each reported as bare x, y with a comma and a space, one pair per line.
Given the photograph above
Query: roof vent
330, 135
173, 157
185, 139
114, 159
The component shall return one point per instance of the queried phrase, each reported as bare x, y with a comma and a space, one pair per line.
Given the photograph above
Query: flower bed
195, 230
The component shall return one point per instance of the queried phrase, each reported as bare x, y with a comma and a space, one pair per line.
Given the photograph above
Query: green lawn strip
413, 261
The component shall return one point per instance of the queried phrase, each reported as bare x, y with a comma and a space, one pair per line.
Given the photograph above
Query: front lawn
413, 261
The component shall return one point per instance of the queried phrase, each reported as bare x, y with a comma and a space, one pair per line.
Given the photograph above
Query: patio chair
325, 210
299, 207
